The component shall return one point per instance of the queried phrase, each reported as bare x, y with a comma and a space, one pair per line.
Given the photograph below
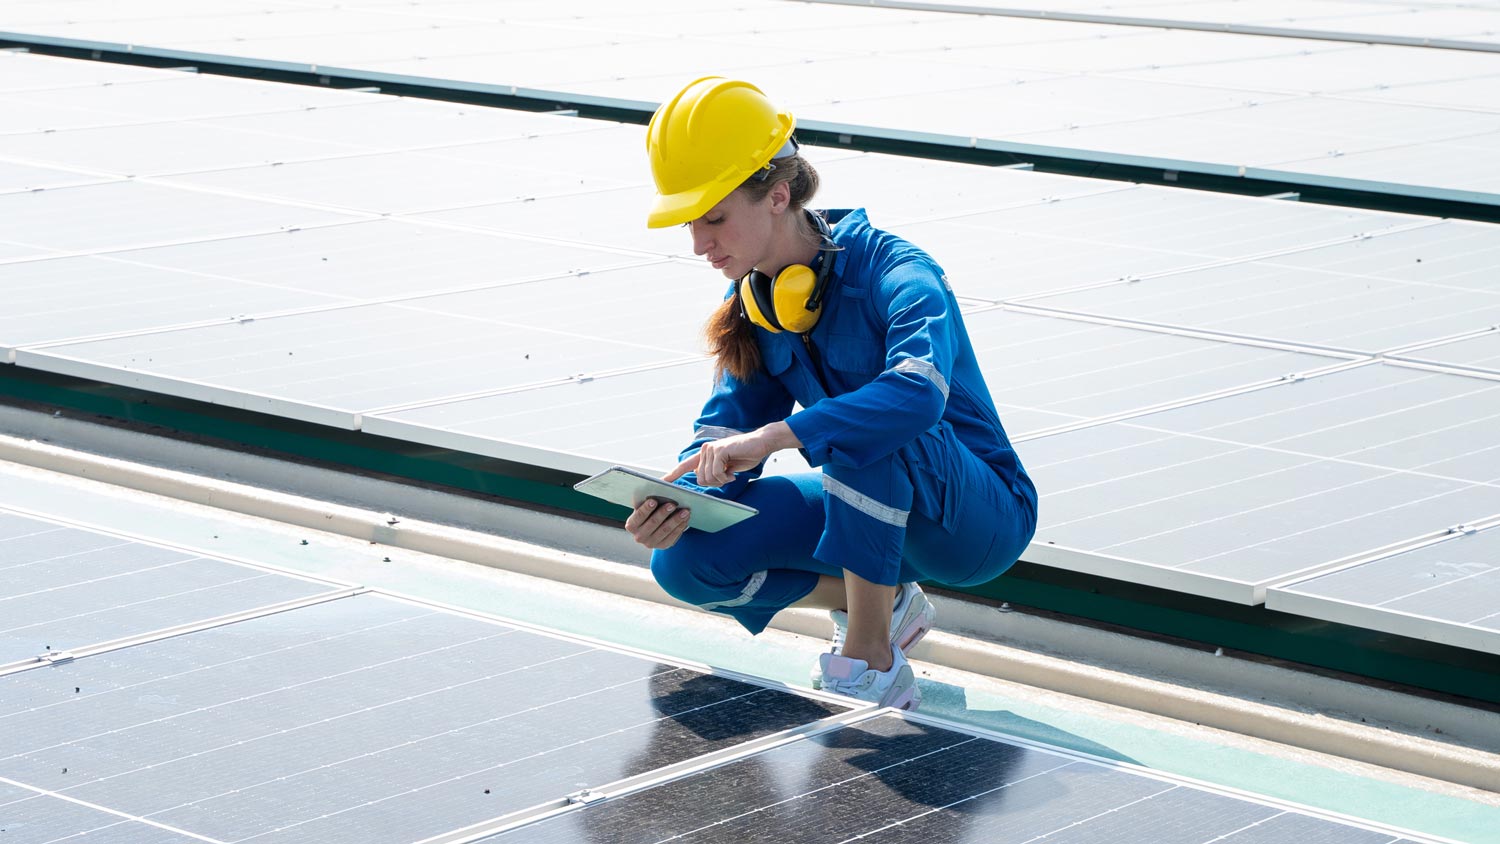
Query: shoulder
879, 261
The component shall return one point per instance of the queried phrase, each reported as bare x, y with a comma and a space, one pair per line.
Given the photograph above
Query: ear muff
756, 302
793, 300
784, 303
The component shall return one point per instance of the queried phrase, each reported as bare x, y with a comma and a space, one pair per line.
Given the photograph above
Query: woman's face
735, 235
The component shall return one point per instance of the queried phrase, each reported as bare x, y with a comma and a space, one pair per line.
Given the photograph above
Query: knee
677, 573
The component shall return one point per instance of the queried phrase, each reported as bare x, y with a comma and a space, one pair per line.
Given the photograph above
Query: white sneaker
911, 618
855, 678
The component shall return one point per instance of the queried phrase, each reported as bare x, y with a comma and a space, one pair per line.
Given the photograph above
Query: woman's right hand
657, 524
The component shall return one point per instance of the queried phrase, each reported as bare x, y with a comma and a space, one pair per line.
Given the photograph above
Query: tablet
630, 488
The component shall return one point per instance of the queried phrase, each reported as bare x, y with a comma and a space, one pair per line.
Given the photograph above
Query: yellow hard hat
706, 141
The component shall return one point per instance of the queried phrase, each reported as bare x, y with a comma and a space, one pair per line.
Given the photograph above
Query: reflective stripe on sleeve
864, 503
756, 581
926, 370
714, 432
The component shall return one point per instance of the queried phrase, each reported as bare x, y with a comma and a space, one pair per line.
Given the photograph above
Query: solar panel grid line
651, 779
1189, 401
350, 303
352, 153
107, 249
1410, 144
188, 241
431, 784
1266, 255
357, 808
1258, 589
1179, 330
111, 119
1271, 449
540, 238
755, 688
1446, 368
615, 647
94, 649
976, 796
1368, 556
584, 378
1084, 191
1438, 621
124, 816
1478, 108
1160, 775
72, 85
363, 419
144, 539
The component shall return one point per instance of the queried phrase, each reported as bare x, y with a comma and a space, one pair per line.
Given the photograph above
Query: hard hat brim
678, 208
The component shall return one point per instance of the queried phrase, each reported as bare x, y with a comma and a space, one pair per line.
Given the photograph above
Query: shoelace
839, 632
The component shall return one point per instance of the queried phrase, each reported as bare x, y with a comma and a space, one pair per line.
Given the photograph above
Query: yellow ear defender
793, 300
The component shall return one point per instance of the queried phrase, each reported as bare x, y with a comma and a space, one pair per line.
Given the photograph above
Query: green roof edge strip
1250, 630
1206, 176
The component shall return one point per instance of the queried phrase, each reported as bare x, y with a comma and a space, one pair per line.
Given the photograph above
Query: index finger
688, 465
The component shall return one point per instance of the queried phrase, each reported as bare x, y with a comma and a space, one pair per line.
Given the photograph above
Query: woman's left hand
718, 461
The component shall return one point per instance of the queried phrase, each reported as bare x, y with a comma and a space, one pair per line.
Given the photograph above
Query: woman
860, 329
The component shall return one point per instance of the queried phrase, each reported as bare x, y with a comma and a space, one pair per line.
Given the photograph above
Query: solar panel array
1402, 120
356, 716
1221, 395
1472, 25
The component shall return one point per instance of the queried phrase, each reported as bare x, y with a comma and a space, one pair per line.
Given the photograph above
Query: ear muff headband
793, 300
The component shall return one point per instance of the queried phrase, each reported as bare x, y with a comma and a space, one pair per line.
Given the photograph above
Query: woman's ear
780, 196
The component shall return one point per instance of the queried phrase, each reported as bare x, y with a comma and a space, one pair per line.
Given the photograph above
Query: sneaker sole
907, 699
906, 638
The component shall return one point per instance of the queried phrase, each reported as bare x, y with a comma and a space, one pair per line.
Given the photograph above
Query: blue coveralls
918, 480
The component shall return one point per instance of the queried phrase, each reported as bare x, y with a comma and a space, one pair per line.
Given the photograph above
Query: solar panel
136, 214
1293, 109
1319, 297
1470, 27
22, 178
21, 72
1229, 497
364, 719
1121, 327
1447, 591
895, 779
375, 718
64, 588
